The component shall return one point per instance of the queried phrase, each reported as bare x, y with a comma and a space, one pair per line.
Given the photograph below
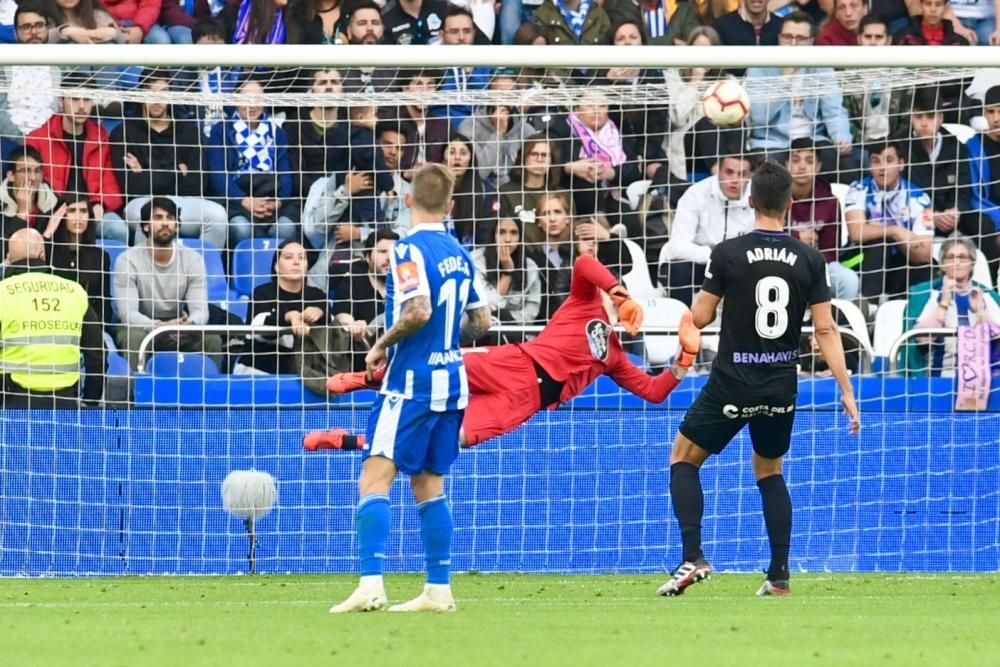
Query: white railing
511, 56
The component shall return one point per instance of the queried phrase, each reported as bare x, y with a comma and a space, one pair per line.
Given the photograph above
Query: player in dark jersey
765, 279
510, 383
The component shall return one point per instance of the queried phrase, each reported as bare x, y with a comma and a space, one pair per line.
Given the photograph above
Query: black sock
689, 505
778, 519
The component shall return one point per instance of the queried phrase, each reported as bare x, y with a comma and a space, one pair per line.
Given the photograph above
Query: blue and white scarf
575, 19
256, 146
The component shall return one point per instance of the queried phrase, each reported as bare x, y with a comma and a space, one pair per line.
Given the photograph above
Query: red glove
629, 312
689, 337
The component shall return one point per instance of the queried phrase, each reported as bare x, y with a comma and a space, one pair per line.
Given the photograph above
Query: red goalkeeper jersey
579, 344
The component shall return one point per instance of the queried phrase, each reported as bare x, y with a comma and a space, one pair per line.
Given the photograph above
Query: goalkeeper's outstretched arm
656, 388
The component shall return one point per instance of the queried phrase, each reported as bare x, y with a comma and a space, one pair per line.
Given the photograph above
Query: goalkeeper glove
689, 337
629, 312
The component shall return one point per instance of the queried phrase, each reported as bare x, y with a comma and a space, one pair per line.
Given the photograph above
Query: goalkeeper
510, 383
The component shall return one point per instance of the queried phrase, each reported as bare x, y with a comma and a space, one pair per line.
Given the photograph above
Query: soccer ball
726, 103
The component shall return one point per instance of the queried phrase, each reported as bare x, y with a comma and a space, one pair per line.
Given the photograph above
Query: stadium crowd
649, 189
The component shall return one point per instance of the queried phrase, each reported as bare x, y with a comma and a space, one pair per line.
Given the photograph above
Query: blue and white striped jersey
427, 367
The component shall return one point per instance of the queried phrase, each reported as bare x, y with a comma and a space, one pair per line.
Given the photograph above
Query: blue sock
435, 532
373, 519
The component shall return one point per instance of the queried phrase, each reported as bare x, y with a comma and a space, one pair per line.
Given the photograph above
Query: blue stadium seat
253, 264
113, 248
238, 307
181, 365
218, 285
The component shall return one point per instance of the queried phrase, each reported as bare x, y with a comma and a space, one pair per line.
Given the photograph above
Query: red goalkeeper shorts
504, 392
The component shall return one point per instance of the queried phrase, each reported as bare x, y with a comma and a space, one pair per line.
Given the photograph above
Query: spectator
76, 157
601, 167
484, 15
161, 283
642, 126
210, 81
938, 163
364, 163
365, 26
506, 277
458, 30
75, 254
318, 138
137, 20
553, 254
426, 135
30, 98
316, 22
750, 25
496, 132
774, 123
952, 300
469, 204
815, 216
976, 20
414, 21
876, 114
257, 22
930, 27
286, 301
712, 210
514, 15
593, 237
842, 28
250, 172
392, 142
359, 294
573, 21
535, 174
891, 217
180, 18
83, 22
27, 200
984, 161
155, 154
685, 111
326, 224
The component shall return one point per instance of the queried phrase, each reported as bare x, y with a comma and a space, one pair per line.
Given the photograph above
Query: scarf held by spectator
973, 367
254, 145
605, 144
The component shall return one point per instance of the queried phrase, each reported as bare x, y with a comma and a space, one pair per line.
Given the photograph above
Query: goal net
285, 186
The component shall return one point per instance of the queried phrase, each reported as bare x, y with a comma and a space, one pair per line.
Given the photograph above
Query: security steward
45, 322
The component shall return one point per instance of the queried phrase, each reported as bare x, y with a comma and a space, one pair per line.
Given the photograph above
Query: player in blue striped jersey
415, 421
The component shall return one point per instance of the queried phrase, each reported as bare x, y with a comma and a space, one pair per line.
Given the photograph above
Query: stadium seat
237, 307
181, 365
857, 323
889, 320
637, 279
980, 272
961, 132
113, 248
664, 312
840, 192
218, 285
253, 264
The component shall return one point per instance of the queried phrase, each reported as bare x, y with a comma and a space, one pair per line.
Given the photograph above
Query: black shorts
719, 413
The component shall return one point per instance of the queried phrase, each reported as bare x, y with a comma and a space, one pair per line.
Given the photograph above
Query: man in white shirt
31, 89
711, 211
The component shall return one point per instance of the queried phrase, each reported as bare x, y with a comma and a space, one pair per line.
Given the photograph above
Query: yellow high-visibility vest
41, 320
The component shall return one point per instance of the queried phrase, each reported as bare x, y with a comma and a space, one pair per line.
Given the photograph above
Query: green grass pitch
851, 619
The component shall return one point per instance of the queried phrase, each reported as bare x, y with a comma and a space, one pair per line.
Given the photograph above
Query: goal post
132, 486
